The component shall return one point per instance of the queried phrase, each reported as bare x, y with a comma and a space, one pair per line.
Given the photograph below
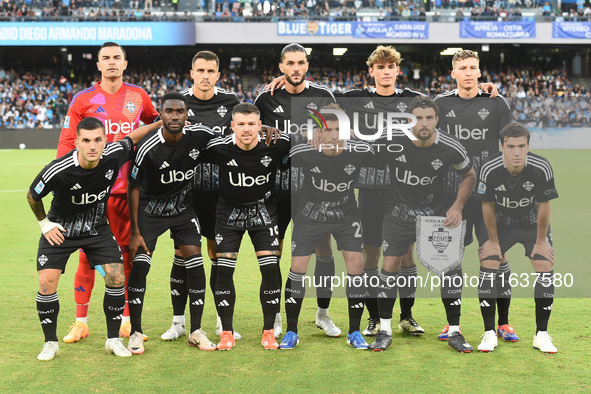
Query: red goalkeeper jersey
120, 112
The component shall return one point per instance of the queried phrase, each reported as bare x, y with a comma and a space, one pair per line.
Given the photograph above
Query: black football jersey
367, 110
415, 176
215, 113
476, 122
327, 193
80, 196
164, 172
516, 195
246, 177
287, 112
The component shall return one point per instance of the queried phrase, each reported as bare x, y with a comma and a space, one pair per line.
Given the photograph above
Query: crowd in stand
39, 99
273, 10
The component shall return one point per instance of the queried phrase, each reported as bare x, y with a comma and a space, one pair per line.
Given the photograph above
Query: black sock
270, 290
544, 296
451, 295
323, 273
113, 304
294, 296
196, 289
371, 298
213, 275
407, 281
225, 292
355, 300
387, 293
280, 278
503, 293
48, 307
487, 294
136, 290
178, 286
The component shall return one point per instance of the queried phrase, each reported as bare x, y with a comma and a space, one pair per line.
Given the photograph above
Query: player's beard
174, 132
291, 82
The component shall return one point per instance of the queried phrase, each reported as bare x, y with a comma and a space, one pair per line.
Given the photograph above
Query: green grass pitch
319, 363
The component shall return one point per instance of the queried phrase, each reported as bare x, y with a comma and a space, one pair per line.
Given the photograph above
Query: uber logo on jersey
177, 176
247, 180
89, 198
508, 203
410, 179
527, 185
109, 174
436, 164
463, 133
326, 186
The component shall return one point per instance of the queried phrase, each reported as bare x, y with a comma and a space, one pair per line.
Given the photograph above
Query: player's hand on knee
53, 232
490, 251
543, 249
453, 217
135, 243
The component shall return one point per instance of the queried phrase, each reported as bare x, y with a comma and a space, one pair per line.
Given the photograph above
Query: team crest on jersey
527, 185
312, 106
436, 164
222, 111
483, 113
266, 161
130, 107
42, 260
349, 169
402, 106
218, 239
109, 174
194, 154
40, 186
440, 239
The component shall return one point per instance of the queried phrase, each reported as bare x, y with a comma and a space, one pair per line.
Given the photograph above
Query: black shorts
397, 237
285, 205
205, 206
372, 204
512, 235
306, 235
228, 238
184, 229
472, 212
100, 249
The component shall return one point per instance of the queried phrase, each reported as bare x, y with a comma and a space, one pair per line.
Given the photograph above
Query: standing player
160, 199
476, 120
516, 187
121, 106
246, 203
210, 106
81, 182
417, 190
326, 205
277, 110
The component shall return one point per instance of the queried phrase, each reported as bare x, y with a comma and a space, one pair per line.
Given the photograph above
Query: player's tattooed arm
490, 250
53, 232
114, 275
454, 214
542, 247
136, 241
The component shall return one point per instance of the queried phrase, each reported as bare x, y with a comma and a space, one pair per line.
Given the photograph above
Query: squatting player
277, 110
476, 119
246, 203
211, 106
326, 205
121, 106
160, 199
516, 187
81, 182
416, 189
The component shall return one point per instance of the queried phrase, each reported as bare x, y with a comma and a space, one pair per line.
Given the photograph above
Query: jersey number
357, 226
